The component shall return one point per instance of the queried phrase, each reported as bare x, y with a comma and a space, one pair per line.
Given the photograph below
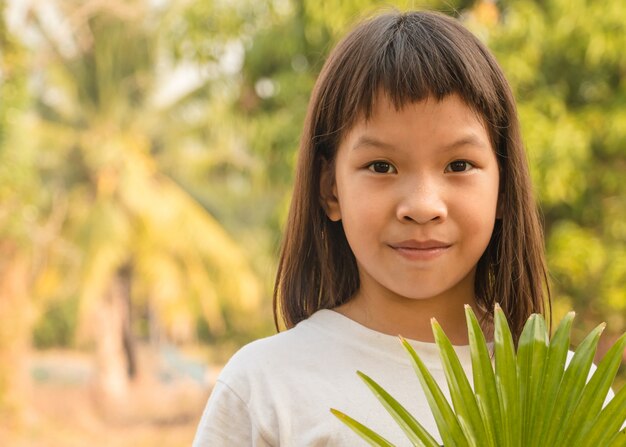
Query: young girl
412, 198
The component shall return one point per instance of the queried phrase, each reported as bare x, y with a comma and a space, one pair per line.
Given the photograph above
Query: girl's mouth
420, 250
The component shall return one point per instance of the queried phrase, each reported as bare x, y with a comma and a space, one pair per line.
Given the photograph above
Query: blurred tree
568, 69
23, 234
132, 239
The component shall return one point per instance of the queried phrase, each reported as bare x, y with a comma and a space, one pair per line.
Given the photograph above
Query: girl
412, 198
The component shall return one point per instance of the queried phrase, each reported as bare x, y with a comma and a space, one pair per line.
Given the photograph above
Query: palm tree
131, 236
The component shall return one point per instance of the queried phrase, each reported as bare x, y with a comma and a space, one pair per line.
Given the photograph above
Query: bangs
408, 57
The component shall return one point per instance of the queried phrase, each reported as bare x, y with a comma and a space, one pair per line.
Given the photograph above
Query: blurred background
146, 157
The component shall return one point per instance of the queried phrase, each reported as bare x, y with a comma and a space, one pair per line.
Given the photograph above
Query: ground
162, 408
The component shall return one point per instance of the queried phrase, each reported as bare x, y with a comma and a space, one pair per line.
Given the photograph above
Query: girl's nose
422, 204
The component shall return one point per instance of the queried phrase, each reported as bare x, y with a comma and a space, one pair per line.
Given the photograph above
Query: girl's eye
382, 167
459, 166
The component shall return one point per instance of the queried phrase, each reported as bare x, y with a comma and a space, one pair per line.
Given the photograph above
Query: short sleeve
226, 422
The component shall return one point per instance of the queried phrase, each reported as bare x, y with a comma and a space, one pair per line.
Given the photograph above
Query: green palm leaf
463, 397
608, 423
484, 380
506, 380
531, 358
449, 425
368, 434
619, 440
413, 429
526, 398
572, 386
590, 405
553, 374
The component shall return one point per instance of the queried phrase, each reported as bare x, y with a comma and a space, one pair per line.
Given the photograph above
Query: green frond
369, 435
463, 397
594, 394
572, 386
528, 398
507, 381
553, 374
531, 358
484, 380
411, 427
449, 427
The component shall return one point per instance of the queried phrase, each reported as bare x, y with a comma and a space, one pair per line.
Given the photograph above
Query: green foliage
528, 398
565, 61
338, 15
19, 185
121, 208
57, 325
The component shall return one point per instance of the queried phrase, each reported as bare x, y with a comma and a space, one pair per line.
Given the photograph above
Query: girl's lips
420, 245
420, 250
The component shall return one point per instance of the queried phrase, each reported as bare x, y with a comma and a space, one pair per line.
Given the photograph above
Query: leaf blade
619, 440
506, 379
554, 371
608, 423
461, 392
416, 433
484, 379
572, 385
531, 359
595, 392
364, 432
447, 422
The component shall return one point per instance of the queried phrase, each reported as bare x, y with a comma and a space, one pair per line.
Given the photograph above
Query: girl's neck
410, 318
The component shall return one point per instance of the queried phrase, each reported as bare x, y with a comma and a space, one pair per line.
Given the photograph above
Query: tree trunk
16, 320
130, 347
115, 351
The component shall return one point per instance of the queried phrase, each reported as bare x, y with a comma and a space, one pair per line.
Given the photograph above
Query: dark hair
409, 56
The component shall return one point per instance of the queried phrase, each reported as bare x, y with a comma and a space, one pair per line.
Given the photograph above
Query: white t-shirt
278, 391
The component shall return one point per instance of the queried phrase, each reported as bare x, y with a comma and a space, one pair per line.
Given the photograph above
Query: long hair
409, 56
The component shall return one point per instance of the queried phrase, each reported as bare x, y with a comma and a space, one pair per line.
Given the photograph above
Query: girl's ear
328, 192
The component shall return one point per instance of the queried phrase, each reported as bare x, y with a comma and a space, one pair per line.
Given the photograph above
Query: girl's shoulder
286, 383
265, 355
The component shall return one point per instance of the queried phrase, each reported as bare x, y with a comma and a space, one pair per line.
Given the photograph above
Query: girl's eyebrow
365, 140
470, 139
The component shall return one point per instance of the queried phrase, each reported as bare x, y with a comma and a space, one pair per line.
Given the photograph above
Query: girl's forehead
384, 110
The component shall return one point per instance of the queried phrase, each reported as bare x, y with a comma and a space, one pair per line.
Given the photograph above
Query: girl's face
417, 193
